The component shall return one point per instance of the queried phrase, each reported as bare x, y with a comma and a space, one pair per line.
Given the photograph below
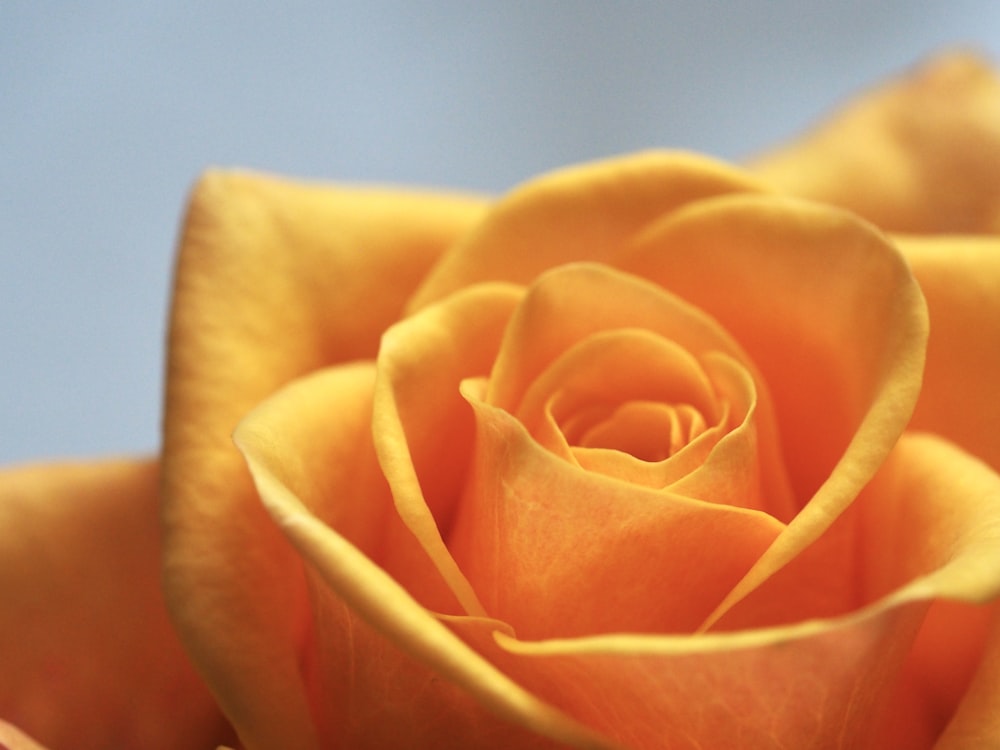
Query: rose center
648, 430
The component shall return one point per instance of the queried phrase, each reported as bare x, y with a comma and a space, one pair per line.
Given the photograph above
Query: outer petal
948, 651
943, 508
274, 280
817, 683
830, 314
582, 213
89, 659
387, 673
557, 551
960, 399
920, 154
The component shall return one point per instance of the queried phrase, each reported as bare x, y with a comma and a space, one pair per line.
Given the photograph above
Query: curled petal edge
971, 574
388, 608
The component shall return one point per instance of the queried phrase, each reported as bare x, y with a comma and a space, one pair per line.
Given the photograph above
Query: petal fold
557, 551
567, 305
422, 427
832, 317
580, 213
976, 724
827, 681
368, 627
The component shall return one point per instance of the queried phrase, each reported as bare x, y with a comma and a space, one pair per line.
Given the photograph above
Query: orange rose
622, 460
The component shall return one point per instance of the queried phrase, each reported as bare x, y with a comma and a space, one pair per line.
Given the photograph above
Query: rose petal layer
878, 636
581, 213
385, 671
556, 551
919, 154
832, 317
567, 305
275, 279
89, 659
818, 683
976, 724
423, 428
960, 277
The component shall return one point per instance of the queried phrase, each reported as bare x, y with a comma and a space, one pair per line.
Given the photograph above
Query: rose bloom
654, 452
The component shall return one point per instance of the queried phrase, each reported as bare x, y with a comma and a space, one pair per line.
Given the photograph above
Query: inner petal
832, 317
567, 306
648, 430
589, 382
660, 473
570, 304
557, 551
421, 426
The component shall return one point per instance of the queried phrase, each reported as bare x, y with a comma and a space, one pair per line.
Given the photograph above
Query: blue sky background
109, 110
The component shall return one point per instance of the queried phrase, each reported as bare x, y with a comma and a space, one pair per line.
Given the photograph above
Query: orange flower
622, 460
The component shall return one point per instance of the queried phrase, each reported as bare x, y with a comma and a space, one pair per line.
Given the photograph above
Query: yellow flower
641, 455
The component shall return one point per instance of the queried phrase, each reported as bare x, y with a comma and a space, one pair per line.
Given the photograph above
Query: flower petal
948, 649
367, 627
571, 303
89, 657
919, 154
316, 434
943, 507
569, 405
559, 552
960, 277
422, 427
580, 213
805, 686
813, 683
828, 312
930, 510
275, 279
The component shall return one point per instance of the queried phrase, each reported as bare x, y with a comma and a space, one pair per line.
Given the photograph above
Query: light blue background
109, 110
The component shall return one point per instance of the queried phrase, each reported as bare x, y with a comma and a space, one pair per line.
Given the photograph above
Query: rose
758, 265
272, 641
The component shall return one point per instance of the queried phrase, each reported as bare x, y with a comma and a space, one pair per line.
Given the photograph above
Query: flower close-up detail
653, 451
